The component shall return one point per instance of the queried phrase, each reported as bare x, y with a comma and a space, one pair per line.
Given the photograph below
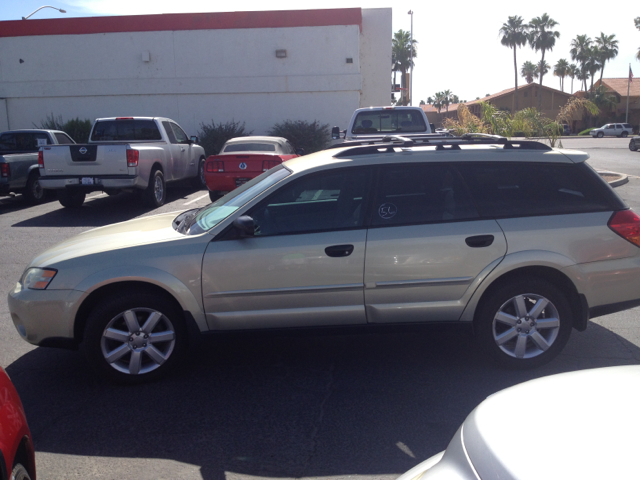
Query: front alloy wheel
138, 341
134, 338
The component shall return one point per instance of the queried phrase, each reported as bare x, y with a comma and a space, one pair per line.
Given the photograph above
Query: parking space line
196, 199
101, 194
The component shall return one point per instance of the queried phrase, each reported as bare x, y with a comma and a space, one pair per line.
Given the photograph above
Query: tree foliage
403, 51
213, 136
76, 128
542, 37
514, 35
310, 136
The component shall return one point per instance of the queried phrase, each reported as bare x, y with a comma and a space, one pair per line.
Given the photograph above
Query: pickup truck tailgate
80, 160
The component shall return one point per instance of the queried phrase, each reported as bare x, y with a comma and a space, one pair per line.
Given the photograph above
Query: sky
459, 45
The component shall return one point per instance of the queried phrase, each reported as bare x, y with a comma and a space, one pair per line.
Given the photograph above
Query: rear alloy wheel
19, 473
134, 338
525, 324
156, 193
34, 193
71, 198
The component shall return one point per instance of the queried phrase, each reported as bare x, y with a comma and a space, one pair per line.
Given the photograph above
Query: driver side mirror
335, 133
245, 226
195, 139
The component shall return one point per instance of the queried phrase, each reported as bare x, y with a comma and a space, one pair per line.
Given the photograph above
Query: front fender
189, 298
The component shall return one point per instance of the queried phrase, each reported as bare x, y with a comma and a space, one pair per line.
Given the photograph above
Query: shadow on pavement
282, 405
100, 211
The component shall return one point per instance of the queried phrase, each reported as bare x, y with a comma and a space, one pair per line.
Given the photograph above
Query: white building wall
196, 76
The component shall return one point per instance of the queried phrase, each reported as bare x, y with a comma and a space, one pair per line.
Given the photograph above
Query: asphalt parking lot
265, 405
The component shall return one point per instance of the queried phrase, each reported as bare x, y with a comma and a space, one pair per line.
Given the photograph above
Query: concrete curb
616, 179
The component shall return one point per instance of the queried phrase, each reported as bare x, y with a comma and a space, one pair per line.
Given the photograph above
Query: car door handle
478, 241
339, 250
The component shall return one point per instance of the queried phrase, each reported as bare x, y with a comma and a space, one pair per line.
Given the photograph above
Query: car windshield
208, 217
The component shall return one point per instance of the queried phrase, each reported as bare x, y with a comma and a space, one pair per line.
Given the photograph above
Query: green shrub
310, 136
213, 136
77, 129
586, 132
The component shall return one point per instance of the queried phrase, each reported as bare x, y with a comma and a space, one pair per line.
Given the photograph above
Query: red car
242, 159
18, 458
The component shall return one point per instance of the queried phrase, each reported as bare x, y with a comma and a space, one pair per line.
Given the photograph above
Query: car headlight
37, 278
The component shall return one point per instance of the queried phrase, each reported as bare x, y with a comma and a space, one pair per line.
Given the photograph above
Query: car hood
574, 425
132, 233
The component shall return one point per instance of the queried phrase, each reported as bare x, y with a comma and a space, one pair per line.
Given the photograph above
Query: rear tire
214, 195
33, 192
71, 199
199, 181
156, 193
134, 338
525, 323
624, 134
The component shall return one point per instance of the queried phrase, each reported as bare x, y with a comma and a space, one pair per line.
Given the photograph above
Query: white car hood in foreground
132, 233
582, 425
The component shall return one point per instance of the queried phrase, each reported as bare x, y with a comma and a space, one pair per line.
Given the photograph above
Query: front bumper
41, 315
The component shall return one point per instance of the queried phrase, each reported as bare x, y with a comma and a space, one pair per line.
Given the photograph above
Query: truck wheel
34, 193
156, 193
71, 199
198, 181
135, 337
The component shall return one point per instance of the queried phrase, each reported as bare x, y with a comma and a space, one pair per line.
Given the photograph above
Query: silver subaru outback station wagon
521, 241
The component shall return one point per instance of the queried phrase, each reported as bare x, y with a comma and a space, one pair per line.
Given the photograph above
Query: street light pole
410, 12
44, 6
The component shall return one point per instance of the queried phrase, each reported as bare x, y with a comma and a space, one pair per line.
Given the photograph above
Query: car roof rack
446, 142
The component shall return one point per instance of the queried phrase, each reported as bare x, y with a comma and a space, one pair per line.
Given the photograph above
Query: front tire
156, 193
134, 338
524, 323
632, 146
33, 192
600, 134
19, 473
71, 199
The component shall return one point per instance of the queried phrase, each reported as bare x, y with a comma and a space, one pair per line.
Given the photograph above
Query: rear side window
527, 189
63, 138
23, 141
414, 194
125, 131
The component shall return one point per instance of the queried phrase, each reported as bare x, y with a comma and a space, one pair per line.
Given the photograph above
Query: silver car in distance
521, 241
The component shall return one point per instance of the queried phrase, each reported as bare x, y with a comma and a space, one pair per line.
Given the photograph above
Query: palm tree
572, 71
592, 63
448, 96
429, 100
580, 47
455, 99
402, 56
542, 68
560, 70
608, 46
542, 37
514, 35
583, 76
438, 102
528, 71
637, 22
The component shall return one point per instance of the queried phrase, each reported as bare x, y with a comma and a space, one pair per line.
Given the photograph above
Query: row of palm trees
442, 100
590, 55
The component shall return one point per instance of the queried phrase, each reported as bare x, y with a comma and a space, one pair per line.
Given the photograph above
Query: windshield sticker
387, 211
42, 141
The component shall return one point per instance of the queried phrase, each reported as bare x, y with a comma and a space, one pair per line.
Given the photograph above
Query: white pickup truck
123, 153
376, 122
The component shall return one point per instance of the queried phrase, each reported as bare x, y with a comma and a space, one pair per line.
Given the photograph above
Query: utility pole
410, 12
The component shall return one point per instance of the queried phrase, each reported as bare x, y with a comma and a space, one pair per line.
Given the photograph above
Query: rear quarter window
528, 189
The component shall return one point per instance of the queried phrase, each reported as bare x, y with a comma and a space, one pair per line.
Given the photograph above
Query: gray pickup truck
19, 161
124, 153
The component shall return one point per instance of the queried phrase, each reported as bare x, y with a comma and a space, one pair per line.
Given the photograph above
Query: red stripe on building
182, 21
